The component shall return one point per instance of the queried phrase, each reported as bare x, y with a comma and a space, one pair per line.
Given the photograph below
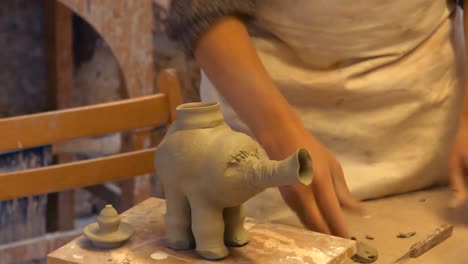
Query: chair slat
55, 126
76, 174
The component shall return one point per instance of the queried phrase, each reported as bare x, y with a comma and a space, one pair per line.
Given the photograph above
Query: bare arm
230, 61
460, 151
465, 29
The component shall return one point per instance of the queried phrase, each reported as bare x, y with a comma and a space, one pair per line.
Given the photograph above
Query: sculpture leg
235, 234
208, 229
178, 222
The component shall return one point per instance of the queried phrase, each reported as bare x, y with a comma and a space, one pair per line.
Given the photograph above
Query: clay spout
296, 169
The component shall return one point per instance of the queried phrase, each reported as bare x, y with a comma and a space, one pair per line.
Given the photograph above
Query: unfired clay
406, 235
109, 231
365, 254
207, 171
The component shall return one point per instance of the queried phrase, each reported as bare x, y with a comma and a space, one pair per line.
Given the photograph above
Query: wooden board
59, 69
126, 26
77, 174
51, 127
270, 243
34, 249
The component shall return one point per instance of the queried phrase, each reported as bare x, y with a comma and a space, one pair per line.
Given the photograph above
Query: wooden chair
115, 22
46, 128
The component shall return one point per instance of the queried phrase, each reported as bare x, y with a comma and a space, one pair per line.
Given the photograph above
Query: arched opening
97, 78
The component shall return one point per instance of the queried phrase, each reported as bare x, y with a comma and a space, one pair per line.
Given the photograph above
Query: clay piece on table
406, 235
208, 171
108, 232
365, 254
369, 237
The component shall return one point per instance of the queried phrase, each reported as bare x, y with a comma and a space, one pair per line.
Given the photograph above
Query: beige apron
378, 82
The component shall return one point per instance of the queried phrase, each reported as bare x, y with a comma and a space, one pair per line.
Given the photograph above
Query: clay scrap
406, 235
365, 254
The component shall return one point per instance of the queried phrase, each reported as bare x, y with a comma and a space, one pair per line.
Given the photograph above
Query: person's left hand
458, 162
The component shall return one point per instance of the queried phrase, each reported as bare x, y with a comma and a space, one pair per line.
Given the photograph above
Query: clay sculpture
208, 171
108, 232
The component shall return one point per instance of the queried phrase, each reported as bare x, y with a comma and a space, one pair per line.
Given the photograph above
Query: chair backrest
56, 126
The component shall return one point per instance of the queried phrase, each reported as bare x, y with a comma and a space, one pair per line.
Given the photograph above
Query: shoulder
189, 19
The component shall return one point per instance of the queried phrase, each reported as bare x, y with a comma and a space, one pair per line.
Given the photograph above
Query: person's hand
230, 61
318, 205
458, 162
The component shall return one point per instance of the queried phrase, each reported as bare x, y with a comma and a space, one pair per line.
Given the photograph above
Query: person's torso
376, 81
328, 32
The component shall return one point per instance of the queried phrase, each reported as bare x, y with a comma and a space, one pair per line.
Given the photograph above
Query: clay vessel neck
198, 115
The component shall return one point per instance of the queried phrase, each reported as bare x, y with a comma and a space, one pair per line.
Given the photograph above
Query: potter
208, 171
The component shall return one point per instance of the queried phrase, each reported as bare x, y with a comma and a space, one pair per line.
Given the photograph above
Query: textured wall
22, 76
24, 217
22, 91
126, 26
22, 61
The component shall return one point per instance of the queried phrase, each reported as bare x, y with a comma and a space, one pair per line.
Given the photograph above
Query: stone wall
22, 61
97, 77
22, 91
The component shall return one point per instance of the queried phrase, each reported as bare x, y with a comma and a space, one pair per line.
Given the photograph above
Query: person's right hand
318, 205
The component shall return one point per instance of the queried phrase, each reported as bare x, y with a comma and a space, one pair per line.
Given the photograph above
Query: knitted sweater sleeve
189, 19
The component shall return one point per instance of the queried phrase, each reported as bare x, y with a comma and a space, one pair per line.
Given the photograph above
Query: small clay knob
108, 220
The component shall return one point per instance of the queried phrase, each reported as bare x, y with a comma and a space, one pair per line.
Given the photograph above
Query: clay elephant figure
208, 171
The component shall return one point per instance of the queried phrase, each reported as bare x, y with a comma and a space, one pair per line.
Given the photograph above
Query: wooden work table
270, 243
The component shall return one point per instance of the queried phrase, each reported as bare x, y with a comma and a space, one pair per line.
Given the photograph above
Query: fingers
302, 201
457, 180
328, 203
345, 198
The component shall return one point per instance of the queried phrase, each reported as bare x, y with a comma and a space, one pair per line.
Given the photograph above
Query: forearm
227, 56
465, 100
